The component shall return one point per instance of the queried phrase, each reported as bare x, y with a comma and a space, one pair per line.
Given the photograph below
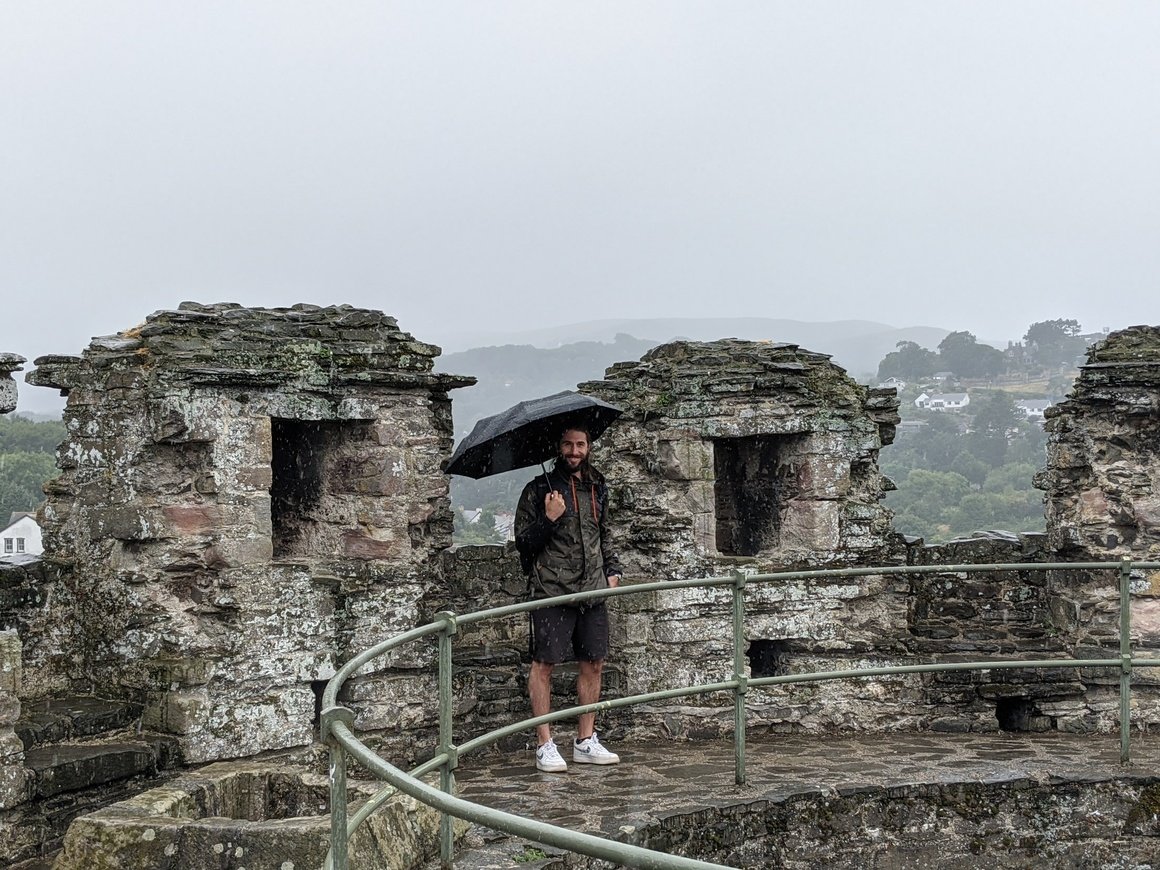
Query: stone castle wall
213, 585
247, 497
12, 772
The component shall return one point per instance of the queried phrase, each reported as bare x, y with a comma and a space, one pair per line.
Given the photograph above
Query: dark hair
578, 426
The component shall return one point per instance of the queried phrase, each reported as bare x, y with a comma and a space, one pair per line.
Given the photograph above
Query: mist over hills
824, 337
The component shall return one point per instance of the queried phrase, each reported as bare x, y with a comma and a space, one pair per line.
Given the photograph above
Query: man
563, 538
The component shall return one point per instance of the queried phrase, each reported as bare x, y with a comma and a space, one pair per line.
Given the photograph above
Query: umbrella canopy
528, 433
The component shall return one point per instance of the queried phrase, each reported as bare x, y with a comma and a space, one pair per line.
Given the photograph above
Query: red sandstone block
193, 519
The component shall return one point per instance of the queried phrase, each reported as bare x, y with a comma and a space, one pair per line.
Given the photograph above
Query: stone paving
660, 781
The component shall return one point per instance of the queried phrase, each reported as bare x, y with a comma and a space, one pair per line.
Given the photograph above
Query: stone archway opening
1020, 714
768, 658
754, 481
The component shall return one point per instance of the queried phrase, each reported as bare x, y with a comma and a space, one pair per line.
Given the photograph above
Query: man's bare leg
587, 692
540, 694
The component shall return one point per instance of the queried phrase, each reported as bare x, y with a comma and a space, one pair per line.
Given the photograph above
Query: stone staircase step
58, 719
67, 767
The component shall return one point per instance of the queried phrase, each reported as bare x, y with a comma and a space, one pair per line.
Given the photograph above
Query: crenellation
250, 497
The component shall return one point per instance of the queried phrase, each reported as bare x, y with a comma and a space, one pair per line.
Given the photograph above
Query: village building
21, 537
942, 401
1034, 409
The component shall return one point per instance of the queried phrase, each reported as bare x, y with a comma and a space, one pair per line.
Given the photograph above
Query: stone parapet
13, 777
1101, 478
247, 497
744, 453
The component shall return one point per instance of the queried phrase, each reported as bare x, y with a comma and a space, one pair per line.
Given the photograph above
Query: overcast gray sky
975, 165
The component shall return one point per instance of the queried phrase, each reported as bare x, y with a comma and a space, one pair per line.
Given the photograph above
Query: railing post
446, 736
338, 833
1125, 659
739, 676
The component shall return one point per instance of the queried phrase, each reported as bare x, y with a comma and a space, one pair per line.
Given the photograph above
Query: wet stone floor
655, 781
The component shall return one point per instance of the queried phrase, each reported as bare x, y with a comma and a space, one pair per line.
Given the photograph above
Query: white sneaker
590, 751
548, 758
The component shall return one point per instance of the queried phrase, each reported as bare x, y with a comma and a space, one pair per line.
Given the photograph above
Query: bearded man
562, 535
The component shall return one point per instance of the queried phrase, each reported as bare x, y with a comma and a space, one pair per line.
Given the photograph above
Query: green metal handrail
337, 721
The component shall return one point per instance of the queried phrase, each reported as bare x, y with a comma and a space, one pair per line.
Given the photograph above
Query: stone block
1146, 620
360, 545
705, 533
193, 519
256, 477
7, 394
70, 767
686, 459
13, 784
246, 551
1093, 507
9, 711
10, 662
823, 477
124, 522
243, 720
1147, 511
811, 525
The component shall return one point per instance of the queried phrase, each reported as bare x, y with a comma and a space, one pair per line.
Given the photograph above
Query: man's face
573, 448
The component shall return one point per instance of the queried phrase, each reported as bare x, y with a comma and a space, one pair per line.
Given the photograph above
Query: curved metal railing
337, 721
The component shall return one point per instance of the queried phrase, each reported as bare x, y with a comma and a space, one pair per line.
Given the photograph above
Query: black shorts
558, 630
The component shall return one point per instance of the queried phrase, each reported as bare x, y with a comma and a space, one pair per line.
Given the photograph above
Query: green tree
1054, 343
482, 531
909, 362
970, 467
925, 502
1012, 477
995, 423
961, 353
22, 478
19, 435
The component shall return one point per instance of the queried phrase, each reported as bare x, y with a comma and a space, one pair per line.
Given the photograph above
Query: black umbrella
528, 433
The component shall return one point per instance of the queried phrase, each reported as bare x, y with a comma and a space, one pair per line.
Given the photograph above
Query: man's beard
579, 466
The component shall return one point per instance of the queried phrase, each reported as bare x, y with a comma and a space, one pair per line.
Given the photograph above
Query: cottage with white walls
942, 401
1033, 408
21, 537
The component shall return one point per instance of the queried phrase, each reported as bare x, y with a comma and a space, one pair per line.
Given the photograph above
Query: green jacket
573, 554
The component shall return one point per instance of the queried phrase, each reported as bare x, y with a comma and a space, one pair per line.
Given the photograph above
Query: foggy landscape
484, 172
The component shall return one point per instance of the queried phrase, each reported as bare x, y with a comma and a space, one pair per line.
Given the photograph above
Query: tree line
972, 470
957, 473
1047, 346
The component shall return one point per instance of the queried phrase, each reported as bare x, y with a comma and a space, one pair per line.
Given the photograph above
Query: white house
892, 381
1033, 408
942, 401
21, 537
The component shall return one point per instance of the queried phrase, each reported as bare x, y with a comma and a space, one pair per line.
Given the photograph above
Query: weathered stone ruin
12, 772
247, 497
9, 363
744, 455
1102, 478
737, 452
250, 497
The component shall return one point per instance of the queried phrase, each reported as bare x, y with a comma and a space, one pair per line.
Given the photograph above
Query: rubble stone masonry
250, 497
247, 497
